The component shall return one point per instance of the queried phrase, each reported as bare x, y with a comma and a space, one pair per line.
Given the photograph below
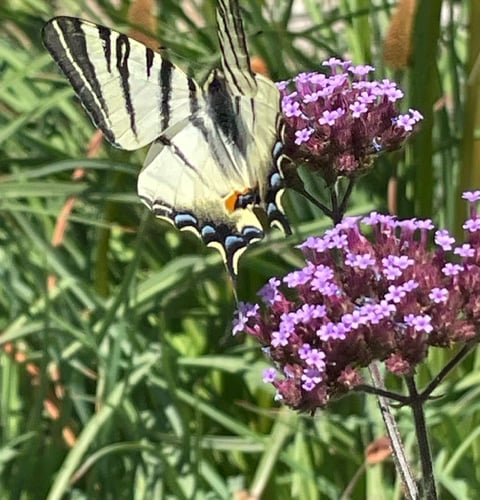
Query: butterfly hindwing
212, 167
192, 164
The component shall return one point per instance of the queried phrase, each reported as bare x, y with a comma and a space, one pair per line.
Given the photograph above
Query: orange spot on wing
231, 199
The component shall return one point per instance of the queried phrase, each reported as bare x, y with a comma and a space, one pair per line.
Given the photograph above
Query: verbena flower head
337, 122
388, 297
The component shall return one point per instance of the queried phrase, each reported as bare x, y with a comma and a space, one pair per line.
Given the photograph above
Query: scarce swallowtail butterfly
213, 164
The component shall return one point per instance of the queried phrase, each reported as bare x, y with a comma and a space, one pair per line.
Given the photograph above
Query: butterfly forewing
131, 93
235, 60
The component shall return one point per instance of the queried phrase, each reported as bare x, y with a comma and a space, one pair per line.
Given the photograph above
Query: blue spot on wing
276, 182
277, 149
208, 231
234, 240
185, 219
272, 209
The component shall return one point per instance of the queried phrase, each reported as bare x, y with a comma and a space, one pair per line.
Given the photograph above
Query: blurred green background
119, 377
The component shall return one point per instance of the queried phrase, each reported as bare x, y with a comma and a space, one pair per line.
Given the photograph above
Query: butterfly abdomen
221, 109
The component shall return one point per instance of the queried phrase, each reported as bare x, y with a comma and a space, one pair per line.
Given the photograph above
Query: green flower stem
466, 349
416, 403
398, 450
346, 198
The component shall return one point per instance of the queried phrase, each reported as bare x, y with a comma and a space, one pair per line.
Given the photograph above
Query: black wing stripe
178, 152
235, 59
149, 58
104, 34
65, 40
166, 86
123, 53
192, 95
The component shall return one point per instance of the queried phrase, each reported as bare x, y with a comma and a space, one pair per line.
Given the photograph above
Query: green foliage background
133, 344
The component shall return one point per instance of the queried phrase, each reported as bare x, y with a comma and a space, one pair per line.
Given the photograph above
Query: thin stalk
315, 202
346, 198
334, 199
398, 450
466, 349
428, 481
399, 398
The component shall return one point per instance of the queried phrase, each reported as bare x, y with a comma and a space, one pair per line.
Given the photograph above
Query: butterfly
214, 162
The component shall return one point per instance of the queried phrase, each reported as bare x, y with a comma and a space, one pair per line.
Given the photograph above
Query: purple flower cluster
337, 123
388, 297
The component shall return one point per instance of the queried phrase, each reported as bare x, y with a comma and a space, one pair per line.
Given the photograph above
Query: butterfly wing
220, 163
182, 156
131, 93
257, 102
234, 55
212, 167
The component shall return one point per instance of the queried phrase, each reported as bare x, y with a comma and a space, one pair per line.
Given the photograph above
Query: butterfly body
212, 165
